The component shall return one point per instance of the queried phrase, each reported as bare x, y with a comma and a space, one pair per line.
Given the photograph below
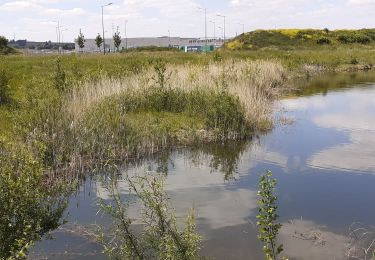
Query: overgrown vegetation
160, 237
28, 209
80, 112
4, 48
300, 38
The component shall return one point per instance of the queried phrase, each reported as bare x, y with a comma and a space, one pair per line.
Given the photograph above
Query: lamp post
126, 35
62, 38
58, 35
205, 26
103, 25
243, 27
223, 16
214, 23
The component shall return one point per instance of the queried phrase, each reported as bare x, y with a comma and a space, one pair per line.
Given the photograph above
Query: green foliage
4, 48
354, 61
267, 217
117, 40
81, 40
59, 77
3, 42
323, 40
98, 41
161, 74
300, 38
27, 211
5, 96
160, 238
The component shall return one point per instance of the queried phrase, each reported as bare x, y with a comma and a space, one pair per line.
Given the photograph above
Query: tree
117, 40
98, 41
3, 42
81, 40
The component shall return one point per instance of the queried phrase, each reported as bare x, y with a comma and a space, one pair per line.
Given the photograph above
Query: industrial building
184, 44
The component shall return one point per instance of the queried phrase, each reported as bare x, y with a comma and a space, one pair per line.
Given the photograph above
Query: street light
103, 24
205, 25
214, 23
223, 16
222, 30
243, 28
62, 38
126, 35
58, 34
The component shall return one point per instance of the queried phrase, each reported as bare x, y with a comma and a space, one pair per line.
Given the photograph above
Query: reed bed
112, 119
255, 83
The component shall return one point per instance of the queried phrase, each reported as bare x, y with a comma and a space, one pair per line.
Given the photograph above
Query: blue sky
35, 19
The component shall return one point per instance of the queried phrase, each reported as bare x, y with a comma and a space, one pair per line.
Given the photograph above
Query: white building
177, 42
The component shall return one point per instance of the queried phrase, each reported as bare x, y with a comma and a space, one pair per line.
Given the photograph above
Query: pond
321, 151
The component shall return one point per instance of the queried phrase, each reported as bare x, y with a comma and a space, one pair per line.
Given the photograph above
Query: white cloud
182, 18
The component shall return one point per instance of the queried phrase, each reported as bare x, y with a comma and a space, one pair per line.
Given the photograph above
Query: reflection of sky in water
317, 161
350, 114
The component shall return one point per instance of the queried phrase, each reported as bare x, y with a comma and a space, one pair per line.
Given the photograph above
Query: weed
267, 217
160, 238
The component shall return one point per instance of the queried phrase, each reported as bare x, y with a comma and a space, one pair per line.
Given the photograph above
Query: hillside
300, 38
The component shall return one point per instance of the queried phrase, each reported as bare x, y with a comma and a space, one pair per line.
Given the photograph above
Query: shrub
362, 39
59, 77
27, 211
354, 61
344, 39
5, 97
161, 238
323, 40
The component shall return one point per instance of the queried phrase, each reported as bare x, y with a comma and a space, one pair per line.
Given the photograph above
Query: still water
322, 152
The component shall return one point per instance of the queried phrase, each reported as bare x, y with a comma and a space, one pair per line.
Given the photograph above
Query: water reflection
316, 161
350, 113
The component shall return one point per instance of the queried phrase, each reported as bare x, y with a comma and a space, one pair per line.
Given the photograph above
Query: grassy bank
60, 116
301, 38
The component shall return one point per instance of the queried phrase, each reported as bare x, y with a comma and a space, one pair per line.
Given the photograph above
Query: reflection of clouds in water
260, 153
189, 185
305, 240
359, 155
303, 103
218, 207
353, 121
358, 118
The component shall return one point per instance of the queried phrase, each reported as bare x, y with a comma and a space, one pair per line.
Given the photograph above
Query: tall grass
120, 118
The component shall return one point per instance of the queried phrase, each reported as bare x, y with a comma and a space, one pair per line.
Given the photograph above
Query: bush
161, 238
5, 97
323, 40
354, 61
362, 39
345, 39
27, 211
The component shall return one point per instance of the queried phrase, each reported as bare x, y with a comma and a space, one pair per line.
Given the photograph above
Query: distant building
184, 44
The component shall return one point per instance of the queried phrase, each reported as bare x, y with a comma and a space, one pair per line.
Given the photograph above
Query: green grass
301, 38
88, 111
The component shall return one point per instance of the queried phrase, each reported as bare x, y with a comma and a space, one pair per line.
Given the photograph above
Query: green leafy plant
59, 77
98, 41
161, 238
28, 209
117, 40
81, 40
267, 217
5, 97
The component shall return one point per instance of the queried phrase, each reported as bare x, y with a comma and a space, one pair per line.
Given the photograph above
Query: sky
36, 20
